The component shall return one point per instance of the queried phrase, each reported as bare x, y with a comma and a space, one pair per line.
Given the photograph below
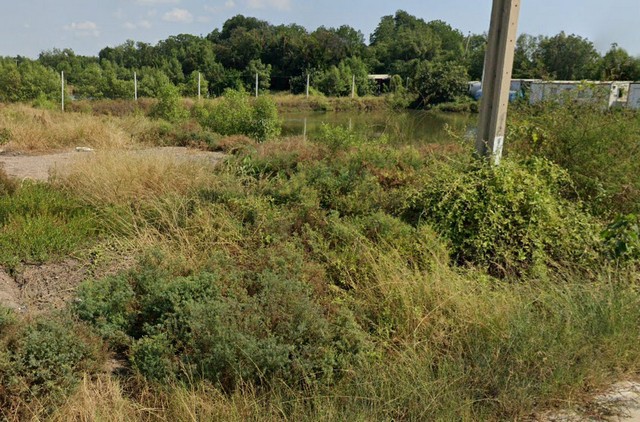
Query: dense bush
169, 106
622, 238
509, 219
236, 114
41, 362
597, 147
225, 328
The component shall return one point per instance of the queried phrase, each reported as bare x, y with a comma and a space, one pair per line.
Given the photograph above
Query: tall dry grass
138, 176
147, 199
26, 129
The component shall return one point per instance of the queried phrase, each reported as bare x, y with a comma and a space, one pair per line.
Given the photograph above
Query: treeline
430, 62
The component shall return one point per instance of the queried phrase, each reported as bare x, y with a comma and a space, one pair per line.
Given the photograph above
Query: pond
415, 127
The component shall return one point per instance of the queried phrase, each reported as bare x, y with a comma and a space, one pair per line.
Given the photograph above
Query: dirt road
40, 167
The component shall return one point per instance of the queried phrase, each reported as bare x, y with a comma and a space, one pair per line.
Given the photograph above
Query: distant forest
429, 59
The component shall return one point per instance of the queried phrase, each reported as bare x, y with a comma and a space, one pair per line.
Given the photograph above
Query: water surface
416, 127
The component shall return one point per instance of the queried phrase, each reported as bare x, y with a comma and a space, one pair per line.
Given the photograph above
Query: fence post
62, 89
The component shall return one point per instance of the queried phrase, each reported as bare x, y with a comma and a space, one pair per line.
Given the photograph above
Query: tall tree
618, 65
568, 57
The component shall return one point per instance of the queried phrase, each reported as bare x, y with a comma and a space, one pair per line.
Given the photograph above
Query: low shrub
622, 238
236, 114
41, 362
225, 328
597, 147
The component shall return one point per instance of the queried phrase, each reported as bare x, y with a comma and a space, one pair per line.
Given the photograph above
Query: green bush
169, 106
41, 362
597, 147
264, 120
622, 238
236, 114
226, 329
107, 305
509, 219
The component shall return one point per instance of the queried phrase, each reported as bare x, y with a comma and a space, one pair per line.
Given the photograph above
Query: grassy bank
335, 278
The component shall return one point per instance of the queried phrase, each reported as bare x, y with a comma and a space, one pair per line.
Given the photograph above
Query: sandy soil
40, 167
620, 403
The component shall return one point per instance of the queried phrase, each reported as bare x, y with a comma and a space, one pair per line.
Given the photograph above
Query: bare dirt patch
619, 403
35, 288
9, 292
41, 167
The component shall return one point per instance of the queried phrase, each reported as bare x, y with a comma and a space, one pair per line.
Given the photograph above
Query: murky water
415, 127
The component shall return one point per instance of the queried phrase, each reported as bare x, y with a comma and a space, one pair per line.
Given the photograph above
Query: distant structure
624, 94
382, 81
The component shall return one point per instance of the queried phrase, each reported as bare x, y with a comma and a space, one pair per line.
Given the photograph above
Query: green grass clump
38, 222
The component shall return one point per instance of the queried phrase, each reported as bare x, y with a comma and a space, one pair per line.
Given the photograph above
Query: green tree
568, 57
264, 75
190, 87
152, 82
10, 81
475, 49
526, 63
38, 81
618, 65
439, 82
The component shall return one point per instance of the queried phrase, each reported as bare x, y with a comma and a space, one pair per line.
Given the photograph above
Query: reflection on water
397, 126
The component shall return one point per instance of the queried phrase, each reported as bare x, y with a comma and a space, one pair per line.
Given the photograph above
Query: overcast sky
28, 27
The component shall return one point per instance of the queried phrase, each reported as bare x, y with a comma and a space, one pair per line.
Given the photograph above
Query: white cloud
157, 1
178, 15
143, 24
83, 29
265, 4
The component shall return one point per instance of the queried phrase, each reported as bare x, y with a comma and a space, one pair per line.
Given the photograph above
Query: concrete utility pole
199, 84
135, 86
497, 79
353, 86
308, 77
257, 84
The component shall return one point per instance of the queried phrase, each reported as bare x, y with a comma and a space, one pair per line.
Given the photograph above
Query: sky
28, 27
